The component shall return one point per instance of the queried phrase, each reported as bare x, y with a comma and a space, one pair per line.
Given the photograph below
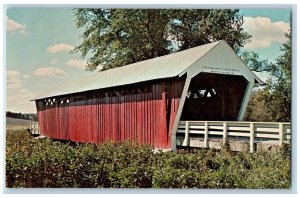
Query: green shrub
49, 163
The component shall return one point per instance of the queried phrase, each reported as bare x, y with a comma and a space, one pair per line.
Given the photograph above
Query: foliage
26, 116
47, 163
258, 107
280, 87
254, 62
273, 103
117, 37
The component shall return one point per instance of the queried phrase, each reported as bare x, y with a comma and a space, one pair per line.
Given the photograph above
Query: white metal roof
167, 66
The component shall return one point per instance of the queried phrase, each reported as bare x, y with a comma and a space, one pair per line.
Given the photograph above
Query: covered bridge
145, 101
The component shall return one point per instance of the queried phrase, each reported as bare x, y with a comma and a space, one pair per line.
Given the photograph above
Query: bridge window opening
188, 94
201, 93
214, 91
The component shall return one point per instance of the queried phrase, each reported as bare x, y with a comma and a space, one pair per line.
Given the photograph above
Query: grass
17, 124
48, 163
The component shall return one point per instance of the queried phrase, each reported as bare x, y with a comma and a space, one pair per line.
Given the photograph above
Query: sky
39, 40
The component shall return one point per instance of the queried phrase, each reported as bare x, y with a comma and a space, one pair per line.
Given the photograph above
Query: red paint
146, 117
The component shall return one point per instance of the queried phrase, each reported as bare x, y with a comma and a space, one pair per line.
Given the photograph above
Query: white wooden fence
252, 132
34, 128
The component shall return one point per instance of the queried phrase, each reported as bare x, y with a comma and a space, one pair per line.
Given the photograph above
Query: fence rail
34, 128
205, 132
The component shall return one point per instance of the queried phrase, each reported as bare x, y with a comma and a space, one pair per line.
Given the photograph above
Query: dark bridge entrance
214, 97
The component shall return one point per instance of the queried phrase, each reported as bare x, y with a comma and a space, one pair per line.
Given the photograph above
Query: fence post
205, 134
31, 127
281, 134
225, 133
37, 128
251, 137
186, 136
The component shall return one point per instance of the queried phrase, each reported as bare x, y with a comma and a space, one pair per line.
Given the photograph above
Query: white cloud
77, 63
49, 72
54, 61
17, 97
13, 80
264, 31
13, 26
19, 101
61, 47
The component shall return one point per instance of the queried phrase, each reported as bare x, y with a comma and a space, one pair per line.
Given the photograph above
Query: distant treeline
26, 116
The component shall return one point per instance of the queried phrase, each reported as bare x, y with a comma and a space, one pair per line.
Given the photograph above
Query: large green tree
273, 102
116, 37
279, 87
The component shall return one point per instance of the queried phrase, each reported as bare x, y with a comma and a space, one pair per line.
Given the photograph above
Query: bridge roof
167, 66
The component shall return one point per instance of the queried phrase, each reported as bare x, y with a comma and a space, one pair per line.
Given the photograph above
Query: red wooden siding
144, 113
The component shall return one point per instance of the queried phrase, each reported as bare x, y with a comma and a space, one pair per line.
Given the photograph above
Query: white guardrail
252, 132
34, 128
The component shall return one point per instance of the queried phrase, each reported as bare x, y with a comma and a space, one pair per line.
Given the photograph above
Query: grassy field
47, 163
14, 123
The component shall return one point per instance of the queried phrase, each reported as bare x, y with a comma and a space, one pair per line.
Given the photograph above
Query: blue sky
38, 41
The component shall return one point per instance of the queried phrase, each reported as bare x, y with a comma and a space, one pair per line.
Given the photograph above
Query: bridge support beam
245, 100
178, 114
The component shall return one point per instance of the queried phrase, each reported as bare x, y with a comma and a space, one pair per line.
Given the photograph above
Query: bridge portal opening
214, 97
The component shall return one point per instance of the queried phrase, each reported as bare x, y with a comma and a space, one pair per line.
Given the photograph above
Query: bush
49, 163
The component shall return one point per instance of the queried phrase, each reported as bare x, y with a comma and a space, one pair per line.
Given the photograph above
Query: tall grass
48, 163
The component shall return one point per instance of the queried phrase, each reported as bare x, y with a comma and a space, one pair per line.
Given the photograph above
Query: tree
254, 62
280, 87
197, 27
258, 108
116, 37
274, 101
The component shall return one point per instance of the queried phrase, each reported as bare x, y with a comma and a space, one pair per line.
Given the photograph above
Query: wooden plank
198, 127
181, 126
251, 137
206, 135
266, 126
190, 131
215, 133
281, 135
186, 137
164, 131
273, 136
142, 121
245, 100
236, 134
239, 123
179, 112
195, 123
266, 130
216, 127
231, 128
225, 133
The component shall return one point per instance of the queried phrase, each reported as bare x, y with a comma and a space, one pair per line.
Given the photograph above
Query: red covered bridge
145, 101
